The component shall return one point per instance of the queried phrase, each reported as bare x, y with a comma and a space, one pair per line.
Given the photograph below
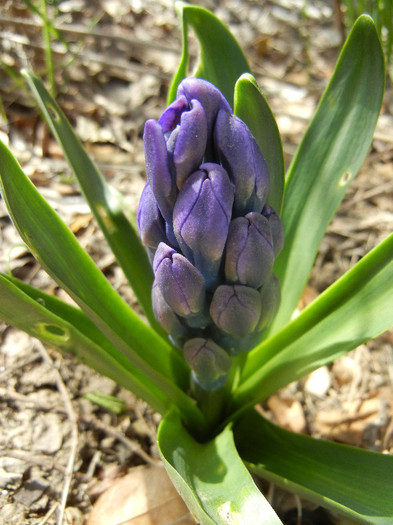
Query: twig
48, 514
74, 433
40, 460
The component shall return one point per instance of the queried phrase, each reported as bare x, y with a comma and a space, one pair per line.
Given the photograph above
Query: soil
113, 61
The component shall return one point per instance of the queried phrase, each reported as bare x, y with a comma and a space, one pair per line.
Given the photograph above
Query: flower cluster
211, 237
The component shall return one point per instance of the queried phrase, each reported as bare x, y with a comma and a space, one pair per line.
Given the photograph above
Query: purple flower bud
240, 155
151, 224
275, 228
166, 316
236, 309
210, 364
158, 171
270, 299
185, 129
209, 96
180, 283
201, 218
249, 255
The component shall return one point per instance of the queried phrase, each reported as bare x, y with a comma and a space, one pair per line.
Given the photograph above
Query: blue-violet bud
184, 126
158, 170
201, 218
166, 316
236, 309
240, 155
151, 224
180, 283
209, 362
249, 254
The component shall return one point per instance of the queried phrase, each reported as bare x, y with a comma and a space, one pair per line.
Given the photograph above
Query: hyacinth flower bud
239, 154
249, 254
150, 222
203, 215
167, 317
275, 228
180, 283
184, 125
201, 219
236, 309
210, 364
158, 170
211, 100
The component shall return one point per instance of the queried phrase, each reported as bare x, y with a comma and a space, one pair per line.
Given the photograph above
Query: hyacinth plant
218, 257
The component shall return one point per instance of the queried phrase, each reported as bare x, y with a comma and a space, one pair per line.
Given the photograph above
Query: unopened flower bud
166, 316
181, 284
201, 218
212, 101
151, 224
158, 170
249, 255
240, 155
210, 364
184, 126
236, 309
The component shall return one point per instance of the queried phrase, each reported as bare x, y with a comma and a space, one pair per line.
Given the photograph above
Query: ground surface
58, 451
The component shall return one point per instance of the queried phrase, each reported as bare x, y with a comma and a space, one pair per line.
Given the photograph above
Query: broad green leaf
211, 477
329, 156
221, 60
69, 330
356, 308
104, 202
252, 107
350, 481
59, 253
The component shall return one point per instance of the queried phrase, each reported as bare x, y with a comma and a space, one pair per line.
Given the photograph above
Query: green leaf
211, 477
329, 156
59, 253
69, 330
252, 107
111, 403
104, 202
350, 481
221, 60
356, 308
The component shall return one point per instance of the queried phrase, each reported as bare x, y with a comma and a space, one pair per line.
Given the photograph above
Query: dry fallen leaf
145, 496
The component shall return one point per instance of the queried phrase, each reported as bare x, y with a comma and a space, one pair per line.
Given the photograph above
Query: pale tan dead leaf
145, 496
288, 413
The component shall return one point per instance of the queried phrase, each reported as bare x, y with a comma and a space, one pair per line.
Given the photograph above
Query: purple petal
172, 115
